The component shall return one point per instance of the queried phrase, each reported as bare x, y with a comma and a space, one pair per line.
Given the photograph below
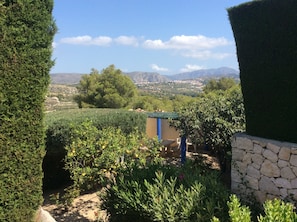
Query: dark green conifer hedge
26, 33
266, 38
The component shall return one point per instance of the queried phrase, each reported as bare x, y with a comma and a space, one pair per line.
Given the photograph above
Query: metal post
159, 128
183, 150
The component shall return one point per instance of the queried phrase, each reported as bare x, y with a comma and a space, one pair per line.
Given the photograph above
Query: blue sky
164, 36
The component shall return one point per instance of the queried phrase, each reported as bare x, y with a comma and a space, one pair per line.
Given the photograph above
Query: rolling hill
206, 73
153, 77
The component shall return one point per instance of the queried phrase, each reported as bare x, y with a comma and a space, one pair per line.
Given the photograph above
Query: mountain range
140, 77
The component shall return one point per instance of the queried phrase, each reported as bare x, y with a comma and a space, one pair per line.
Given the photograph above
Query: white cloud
154, 44
126, 40
182, 42
196, 46
88, 40
187, 42
158, 68
190, 68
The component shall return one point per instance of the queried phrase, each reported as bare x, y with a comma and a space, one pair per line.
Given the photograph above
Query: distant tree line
110, 88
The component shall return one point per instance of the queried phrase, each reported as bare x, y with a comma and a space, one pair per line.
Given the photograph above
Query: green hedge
58, 135
265, 34
26, 33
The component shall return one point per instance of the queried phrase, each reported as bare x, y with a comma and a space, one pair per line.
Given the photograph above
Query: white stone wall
265, 168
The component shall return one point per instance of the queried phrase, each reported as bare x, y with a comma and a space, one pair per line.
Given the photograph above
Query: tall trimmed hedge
266, 38
26, 33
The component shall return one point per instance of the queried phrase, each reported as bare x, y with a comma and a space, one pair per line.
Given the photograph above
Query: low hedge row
58, 136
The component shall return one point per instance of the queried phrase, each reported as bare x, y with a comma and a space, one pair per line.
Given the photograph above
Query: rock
270, 169
44, 216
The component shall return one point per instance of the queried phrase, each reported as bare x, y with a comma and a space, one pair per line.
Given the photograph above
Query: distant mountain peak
138, 77
215, 73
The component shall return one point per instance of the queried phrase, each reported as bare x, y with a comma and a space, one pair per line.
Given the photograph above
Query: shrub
95, 156
275, 210
26, 32
213, 120
237, 212
165, 193
59, 135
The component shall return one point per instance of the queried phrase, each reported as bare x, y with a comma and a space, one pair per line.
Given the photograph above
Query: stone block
236, 176
293, 160
247, 159
244, 143
253, 172
294, 151
258, 149
267, 186
294, 169
252, 182
294, 183
241, 167
282, 163
238, 154
260, 141
43, 216
268, 154
270, 169
287, 173
282, 183
256, 166
273, 147
284, 153
257, 159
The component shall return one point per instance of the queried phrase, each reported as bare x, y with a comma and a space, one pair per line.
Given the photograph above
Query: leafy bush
213, 120
95, 156
59, 136
166, 193
275, 210
237, 212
